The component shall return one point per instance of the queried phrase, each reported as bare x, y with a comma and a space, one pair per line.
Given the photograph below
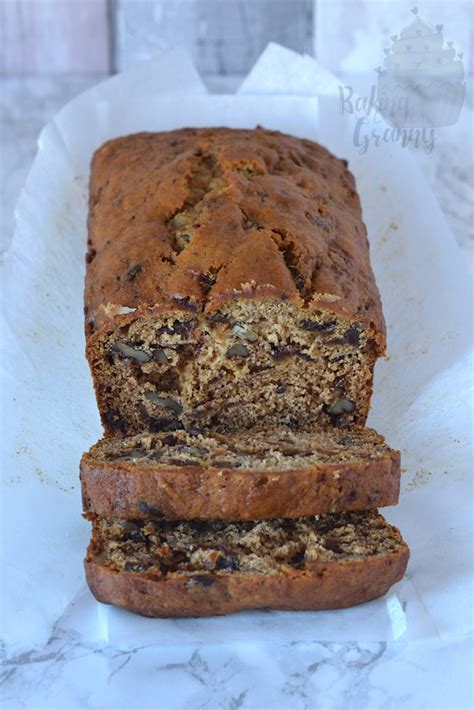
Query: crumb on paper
33, 334
386, 239
414, 300
449, 335
43, 478
81, 182
421, 477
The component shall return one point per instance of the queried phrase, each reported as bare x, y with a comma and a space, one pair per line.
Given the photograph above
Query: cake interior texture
159, 549
258, 449
250, 362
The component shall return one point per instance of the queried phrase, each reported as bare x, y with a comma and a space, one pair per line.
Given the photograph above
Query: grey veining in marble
71, 673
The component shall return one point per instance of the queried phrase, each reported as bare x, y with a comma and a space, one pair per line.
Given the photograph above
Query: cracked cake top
195, 217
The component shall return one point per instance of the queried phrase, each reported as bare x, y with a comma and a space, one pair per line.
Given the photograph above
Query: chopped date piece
137, 536
282, 353
179, 328
185, 303
332, 544
181, 462
255, 369
218, 318
298, 558
225, 464
318, 326
351, 336
156, 424
116, 422
170, 440
229, 562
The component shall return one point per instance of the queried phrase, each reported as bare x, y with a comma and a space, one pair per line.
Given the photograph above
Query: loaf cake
228, 284
232, 328
209, 568
239, 476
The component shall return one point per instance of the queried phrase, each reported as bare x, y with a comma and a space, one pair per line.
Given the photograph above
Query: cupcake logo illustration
421, 83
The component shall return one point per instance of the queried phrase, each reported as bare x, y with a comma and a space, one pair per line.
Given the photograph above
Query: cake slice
157, 568
250, 475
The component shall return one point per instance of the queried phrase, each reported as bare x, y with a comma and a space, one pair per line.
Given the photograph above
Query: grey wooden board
223, 36
54, 36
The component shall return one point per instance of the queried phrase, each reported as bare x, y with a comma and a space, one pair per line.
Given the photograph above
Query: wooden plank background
55, 37
97, 36
224, 37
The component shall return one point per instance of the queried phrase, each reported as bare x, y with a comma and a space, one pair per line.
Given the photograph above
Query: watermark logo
422, 81
419, 88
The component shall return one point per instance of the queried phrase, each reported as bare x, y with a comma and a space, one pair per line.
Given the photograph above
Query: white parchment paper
421, 401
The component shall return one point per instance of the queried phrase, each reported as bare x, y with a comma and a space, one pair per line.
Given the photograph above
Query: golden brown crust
176, 214
135, 491
323, 585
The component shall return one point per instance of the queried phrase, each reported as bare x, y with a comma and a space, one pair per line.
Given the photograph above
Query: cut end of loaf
250, 361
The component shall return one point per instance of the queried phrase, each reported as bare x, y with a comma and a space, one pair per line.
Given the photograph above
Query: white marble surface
77, 670
71, 673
